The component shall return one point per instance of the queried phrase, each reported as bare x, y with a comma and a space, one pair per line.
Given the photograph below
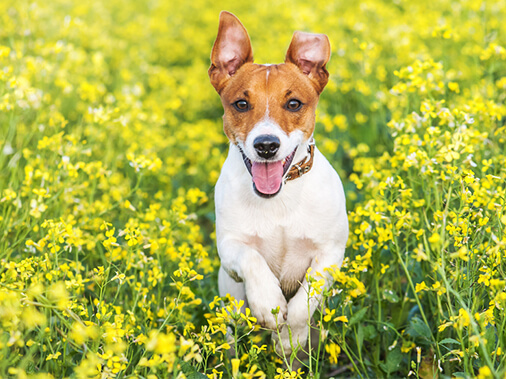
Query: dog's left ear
310, 52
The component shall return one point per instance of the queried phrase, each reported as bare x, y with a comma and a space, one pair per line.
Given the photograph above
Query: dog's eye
241, 105
293, 105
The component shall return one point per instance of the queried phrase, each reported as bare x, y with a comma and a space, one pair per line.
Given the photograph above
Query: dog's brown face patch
272, 91
251, 92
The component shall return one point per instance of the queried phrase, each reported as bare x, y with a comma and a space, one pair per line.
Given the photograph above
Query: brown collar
302, 167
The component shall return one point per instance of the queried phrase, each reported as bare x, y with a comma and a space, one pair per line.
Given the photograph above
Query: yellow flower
484, 373
328, 314
435, 239
33, 318
421, 287
407, 346
80, 333
462, 320
333, 350
161, 343
444, 326
438, 288
53, 356
462, 253
235, 366
58, 294
453, 86
341, 318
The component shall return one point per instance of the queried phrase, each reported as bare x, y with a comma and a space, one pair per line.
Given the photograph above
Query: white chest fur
305, 220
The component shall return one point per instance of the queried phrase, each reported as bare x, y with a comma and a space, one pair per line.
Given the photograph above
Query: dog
280, 206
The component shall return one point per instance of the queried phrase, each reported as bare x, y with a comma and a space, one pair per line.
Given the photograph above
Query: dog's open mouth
268, 176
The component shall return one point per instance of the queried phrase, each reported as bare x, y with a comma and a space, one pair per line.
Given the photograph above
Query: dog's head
269, 109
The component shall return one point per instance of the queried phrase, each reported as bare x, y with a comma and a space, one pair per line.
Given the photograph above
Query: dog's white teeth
283, 161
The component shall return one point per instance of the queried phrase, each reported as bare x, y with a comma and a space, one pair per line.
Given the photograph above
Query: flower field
111, 143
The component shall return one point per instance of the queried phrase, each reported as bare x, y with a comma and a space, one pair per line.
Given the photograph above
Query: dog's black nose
266, 146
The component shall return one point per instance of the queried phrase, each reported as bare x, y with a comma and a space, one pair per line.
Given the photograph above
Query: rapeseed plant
111, 143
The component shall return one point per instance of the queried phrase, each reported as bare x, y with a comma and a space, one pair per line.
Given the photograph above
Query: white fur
265, 244
287, 142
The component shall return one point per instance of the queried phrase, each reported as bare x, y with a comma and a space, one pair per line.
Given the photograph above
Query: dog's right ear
231, 50
310, 52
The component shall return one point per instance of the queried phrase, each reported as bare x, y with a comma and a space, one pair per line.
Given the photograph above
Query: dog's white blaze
288, 142
266, 116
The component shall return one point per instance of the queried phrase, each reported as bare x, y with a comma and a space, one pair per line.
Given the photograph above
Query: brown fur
285, 82
235, 77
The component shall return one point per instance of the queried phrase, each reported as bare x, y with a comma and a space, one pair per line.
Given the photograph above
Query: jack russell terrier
280, 206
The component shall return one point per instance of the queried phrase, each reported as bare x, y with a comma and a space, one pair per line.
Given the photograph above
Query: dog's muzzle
268, 175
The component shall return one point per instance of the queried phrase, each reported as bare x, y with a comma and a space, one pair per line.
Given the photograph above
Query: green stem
408, 277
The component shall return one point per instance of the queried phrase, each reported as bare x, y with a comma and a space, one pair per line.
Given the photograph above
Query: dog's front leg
263, 292
302, 306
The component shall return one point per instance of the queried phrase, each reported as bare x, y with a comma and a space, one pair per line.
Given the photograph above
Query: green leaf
370, 332
460, 375
491, 338
392, 362
394, 359
358, 316
191, 372
360, 337
418, 329
449, 340
383, 367
390, 296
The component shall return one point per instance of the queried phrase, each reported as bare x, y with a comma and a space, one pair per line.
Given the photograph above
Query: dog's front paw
285, 345
263, 299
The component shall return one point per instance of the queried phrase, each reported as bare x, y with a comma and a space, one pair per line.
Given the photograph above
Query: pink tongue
267, 176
